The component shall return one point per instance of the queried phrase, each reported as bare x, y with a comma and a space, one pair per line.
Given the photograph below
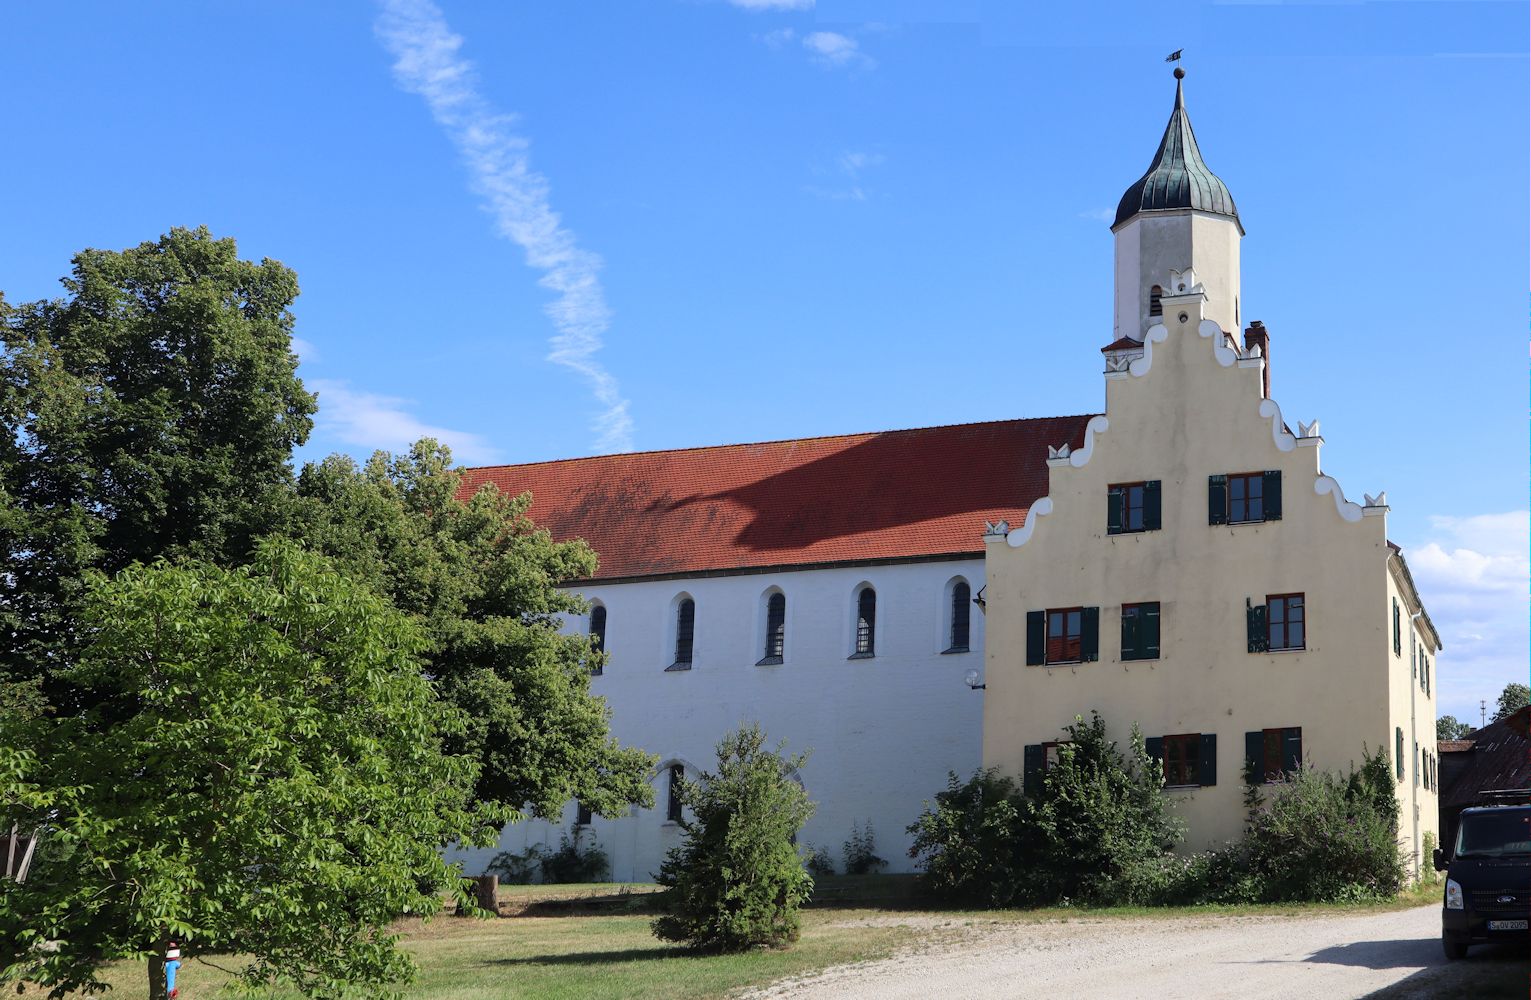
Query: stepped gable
844, 499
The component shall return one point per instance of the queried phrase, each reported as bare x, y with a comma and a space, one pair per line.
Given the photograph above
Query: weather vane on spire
1174, 57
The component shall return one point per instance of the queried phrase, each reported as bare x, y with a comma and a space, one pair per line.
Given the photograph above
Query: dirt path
1328, 956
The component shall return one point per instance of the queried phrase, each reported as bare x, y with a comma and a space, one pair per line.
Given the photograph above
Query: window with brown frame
1050, 754
1182, 757
1064, 628
1286, 621
1246, 497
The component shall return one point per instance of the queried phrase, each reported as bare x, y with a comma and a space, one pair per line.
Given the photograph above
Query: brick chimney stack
1254, 334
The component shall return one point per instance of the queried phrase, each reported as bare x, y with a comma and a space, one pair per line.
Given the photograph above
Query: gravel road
1104, 958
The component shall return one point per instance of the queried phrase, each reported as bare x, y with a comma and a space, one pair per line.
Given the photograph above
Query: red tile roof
1121, 344
848, 498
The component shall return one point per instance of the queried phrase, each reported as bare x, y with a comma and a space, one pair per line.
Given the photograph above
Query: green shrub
737, 881
1324, 838
818, 862
574, 861
860, 851
968, 843
1097, 830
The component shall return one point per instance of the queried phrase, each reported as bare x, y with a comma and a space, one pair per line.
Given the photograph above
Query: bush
818, 862
572, 862
737, 881
860, 851
969, 842
1322, 838
1095, 831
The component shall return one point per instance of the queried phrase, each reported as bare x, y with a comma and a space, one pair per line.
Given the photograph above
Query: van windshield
1497, 834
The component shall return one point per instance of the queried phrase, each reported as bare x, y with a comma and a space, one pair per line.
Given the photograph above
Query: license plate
1506, 925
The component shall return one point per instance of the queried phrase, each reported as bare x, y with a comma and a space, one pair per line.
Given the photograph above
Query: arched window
1154, 306
673, 800
962, 596
597, 634
685, 632
775, 628
866, 623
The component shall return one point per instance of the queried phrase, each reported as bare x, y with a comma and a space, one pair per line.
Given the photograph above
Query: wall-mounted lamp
972, 681
983, 606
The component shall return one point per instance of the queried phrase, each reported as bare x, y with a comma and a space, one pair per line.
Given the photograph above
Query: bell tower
1176, 228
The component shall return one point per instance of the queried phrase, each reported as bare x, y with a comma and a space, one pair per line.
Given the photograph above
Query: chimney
1254, 334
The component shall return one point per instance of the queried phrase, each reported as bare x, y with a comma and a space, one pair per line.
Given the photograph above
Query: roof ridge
756, 444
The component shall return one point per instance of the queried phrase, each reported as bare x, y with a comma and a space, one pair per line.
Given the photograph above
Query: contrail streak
426, 62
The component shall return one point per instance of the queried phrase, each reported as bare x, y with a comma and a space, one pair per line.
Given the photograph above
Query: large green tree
485, 584
262, 774
1448, 728
1512, 699
150, 412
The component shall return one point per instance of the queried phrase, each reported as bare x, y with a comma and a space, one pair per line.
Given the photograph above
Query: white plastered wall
883, 731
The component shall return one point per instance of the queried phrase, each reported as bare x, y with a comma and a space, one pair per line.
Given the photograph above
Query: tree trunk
489, 893
157, 988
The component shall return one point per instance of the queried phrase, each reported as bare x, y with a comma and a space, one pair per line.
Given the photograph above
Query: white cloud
776, 39
832, 49
426, 62
1098, 215
773, 4
1472, 573
852, 164
371, 421
305, 350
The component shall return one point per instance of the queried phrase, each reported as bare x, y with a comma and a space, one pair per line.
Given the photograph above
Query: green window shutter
1130, 635
1155, 747
1254, 757
1258, 634
1036, 637
1273, 495
1031, 774
1206, 767
1089, 635
1114, 511
1398, 750
1152, 506
1397, 630
1217, 499
1291, 748
1148, 632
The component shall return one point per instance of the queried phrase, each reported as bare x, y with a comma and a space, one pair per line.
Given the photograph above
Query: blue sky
767, 219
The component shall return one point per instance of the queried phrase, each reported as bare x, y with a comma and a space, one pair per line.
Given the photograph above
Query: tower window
962, 596
1155, 308
866, 623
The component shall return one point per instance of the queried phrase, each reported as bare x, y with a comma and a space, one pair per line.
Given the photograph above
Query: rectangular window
1050, 755
1270, 753
1065, 626
1244, 498
1132, 507
1182, 759
1140, 631
582, 816
1286, 621
672, 807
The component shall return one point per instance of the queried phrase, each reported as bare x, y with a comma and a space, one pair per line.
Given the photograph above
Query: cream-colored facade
1185, 404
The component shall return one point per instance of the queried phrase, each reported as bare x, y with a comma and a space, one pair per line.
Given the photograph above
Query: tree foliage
1512, 699
1448, 728
737, 881
262, 773
484, 583
149, 413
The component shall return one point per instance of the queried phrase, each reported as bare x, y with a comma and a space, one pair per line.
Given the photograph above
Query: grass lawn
580, 941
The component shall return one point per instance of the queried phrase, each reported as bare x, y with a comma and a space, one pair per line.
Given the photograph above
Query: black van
1488, 878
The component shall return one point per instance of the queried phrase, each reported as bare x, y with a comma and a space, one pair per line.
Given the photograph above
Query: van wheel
1453, 948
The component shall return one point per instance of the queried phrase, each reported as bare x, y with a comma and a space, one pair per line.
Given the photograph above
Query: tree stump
489, 893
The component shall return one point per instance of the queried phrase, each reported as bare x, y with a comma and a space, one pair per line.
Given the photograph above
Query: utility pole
1482, 713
